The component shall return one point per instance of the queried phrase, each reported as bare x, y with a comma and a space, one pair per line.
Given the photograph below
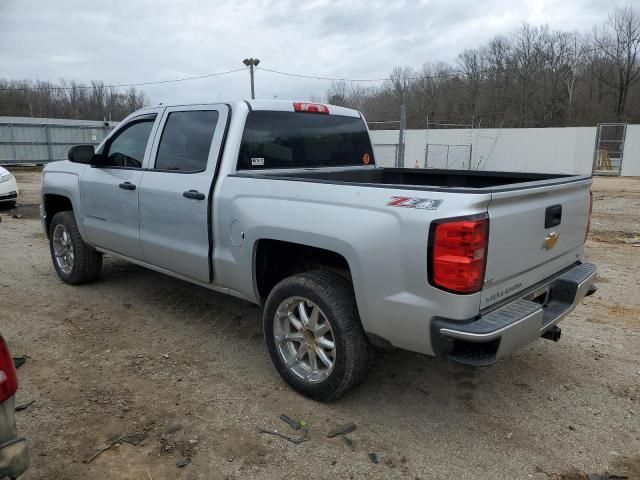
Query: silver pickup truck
281, 204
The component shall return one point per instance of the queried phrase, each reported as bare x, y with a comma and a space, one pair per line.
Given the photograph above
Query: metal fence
42, 141
457, 157
609, 148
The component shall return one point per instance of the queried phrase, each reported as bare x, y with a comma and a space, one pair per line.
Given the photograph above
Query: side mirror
81, 154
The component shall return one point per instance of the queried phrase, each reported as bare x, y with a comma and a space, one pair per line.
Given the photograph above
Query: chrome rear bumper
481, 341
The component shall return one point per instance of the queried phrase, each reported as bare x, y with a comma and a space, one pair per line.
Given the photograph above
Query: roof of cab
271, 105
287, 106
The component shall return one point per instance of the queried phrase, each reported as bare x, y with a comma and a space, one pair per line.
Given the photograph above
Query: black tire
87, 263
335, 298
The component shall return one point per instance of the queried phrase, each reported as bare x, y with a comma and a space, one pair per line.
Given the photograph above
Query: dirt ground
184, 372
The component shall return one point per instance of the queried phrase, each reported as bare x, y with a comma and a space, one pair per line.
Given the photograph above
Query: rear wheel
75, 261
314, 335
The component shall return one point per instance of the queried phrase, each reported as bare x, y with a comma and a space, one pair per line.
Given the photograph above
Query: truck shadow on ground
397, 377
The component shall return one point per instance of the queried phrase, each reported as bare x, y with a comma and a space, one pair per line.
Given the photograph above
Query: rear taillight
310, 107
458, 253
8, 377
586, 234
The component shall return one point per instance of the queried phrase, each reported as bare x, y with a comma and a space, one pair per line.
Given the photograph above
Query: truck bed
421, 179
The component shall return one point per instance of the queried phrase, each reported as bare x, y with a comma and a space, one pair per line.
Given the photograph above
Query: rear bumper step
482, 341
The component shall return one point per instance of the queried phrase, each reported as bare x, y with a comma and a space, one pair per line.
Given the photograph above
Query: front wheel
314, 335
75, 261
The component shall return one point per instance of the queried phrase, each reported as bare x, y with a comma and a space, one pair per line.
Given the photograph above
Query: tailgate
533, 234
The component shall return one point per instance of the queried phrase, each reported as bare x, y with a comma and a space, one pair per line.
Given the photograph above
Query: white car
8, 188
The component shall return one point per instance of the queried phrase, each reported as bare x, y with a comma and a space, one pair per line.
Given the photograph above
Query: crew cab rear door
175, 192
534, 233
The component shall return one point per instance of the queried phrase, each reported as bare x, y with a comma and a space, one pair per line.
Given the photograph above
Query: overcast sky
147, 40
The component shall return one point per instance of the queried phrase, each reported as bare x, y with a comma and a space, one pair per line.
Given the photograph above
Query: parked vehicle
281, 204
14, 458
8, 188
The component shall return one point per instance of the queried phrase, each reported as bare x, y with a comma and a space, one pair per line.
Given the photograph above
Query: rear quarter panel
385, 247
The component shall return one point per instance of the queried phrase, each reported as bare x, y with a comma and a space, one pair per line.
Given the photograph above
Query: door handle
127, 186
196, 195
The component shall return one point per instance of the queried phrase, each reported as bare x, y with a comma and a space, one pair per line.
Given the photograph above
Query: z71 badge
414, 202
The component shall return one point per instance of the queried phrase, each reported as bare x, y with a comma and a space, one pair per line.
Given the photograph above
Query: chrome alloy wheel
304, 339
63, 248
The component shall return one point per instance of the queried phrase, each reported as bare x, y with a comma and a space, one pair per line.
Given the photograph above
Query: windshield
303, 140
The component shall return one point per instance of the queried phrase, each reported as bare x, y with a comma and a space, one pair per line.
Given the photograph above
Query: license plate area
541, 296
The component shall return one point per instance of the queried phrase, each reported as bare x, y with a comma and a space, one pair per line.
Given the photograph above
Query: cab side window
186, 141
127, 148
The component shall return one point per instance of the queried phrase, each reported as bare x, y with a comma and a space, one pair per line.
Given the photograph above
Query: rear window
303, 140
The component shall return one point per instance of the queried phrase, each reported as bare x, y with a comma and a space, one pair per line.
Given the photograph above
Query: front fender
65, 183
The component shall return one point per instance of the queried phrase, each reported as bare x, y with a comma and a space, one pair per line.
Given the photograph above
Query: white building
546, 150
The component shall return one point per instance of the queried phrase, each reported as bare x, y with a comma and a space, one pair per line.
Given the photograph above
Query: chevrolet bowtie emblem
550, 240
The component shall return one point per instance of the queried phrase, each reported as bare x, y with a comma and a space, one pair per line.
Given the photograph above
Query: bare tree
67, 99
472, 65
534, 77
400, 82
618, 42
574, 53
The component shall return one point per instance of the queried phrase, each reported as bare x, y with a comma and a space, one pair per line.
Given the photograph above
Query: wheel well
54, 204
276, 260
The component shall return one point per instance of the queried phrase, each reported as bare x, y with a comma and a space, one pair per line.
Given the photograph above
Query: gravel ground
186, 370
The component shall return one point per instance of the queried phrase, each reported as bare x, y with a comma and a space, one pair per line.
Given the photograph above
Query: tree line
534, 77
68, 99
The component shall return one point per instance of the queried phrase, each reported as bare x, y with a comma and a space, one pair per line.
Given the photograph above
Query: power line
451, 75
140, 84
314, 77
420, 77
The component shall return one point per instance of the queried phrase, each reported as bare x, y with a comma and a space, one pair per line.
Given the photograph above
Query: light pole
251, 62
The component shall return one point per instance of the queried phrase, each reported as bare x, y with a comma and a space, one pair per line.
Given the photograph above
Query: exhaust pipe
553, 334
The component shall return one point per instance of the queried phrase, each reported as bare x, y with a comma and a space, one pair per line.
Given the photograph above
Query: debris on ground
105, 447
295, 425
166, 355
291, 422
341, 430
374, 457
294, 440
24, 406
183, 462
19, 361
135, 438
